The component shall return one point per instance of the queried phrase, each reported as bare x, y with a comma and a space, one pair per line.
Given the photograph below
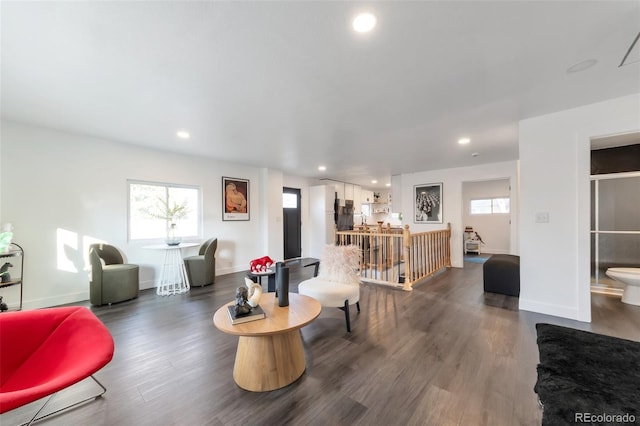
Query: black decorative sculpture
282, 284
4, 273
242, 306
3, 306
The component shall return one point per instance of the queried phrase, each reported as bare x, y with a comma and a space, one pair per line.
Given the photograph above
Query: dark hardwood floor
444, 354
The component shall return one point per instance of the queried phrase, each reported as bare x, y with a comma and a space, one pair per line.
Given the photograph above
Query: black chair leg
346, 315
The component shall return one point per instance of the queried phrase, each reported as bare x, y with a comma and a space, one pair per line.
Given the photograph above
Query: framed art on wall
428, 203
235, 199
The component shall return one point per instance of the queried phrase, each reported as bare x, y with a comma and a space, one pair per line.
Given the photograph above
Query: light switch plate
542, 217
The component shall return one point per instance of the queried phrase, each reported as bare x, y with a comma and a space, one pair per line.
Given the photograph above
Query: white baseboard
146, 284
55, 300
230, 270
489, 250
549, 309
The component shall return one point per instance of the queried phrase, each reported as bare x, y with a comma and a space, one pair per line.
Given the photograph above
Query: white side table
472, 246
173, 275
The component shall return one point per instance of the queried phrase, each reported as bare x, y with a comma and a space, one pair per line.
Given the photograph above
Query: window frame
166, 186
492, 212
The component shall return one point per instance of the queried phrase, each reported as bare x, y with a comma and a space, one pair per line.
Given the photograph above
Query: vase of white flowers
172, 213
172, 239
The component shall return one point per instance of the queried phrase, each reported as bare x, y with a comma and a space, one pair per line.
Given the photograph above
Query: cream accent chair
111, 280
337, 285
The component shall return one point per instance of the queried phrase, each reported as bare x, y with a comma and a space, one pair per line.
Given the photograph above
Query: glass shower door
615, 226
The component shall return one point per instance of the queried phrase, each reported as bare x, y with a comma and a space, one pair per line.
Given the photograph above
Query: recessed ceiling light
374, 181
322, 168
581, 66
464, 141
475, 154
183, 134
388, 184
364, 22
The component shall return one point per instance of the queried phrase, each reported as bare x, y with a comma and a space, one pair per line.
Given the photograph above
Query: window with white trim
498, 205
154, 207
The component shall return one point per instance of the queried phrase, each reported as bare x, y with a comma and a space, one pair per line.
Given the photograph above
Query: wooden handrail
395, 256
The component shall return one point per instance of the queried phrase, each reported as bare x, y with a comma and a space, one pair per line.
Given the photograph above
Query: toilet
630, 277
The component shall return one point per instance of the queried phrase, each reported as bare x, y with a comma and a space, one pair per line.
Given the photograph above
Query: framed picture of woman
428, 203
235, 199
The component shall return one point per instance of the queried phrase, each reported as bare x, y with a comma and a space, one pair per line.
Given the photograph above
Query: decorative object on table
5, 241
242, 306
255, 314
468, 232
428, 203
172, 239
254, 292
3, 306
282, 284
261, 264
5, 277
584, 372
172, 212
235, 199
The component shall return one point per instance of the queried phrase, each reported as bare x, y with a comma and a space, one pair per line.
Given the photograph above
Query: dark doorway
292, 223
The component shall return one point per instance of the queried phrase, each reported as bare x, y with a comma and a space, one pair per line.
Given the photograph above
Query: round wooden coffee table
270, 354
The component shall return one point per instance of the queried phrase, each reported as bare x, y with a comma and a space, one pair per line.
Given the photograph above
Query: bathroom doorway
615, 217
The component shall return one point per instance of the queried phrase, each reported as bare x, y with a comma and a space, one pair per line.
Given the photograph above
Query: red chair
47, 350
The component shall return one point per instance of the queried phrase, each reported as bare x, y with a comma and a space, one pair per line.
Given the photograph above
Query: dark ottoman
502, 274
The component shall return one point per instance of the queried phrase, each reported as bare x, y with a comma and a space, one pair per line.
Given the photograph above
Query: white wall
493, 228
321, 218
452, 180
554, 171
60, 184
273, 236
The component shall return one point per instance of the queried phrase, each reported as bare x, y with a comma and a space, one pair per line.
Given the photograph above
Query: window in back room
500, 205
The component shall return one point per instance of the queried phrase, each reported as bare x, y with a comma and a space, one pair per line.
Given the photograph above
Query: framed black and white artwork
428, 203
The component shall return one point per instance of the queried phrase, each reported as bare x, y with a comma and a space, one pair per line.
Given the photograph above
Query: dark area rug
587, 378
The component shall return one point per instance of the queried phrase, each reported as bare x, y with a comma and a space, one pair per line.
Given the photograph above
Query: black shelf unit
15, 251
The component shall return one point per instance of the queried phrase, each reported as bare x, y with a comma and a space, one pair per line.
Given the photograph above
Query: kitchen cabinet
339, 190
348, 191
357, 197
367, 197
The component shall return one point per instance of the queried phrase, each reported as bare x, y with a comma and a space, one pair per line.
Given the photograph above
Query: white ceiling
289, 85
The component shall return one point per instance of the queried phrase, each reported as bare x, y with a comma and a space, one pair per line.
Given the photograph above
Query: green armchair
111, 280
201, 269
